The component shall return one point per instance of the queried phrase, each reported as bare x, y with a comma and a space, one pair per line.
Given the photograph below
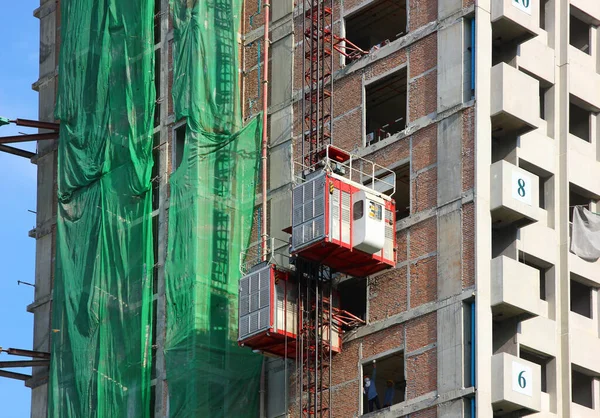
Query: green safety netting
102, 301
210, 218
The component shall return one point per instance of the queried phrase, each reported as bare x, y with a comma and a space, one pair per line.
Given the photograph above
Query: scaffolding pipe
265, 140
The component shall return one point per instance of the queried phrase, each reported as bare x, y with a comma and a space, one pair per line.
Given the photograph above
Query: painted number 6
522, 381
525, 3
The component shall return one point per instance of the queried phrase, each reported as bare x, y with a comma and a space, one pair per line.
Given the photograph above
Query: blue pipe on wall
473, 357
473, 54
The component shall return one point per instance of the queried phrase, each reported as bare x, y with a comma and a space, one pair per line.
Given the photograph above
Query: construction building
156, 206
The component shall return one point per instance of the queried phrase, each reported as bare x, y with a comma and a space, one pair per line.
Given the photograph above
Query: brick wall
414, 282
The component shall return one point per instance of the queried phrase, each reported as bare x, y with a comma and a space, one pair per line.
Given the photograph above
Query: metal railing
358, 170
276, 251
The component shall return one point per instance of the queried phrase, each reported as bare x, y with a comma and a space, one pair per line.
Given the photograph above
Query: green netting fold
101, 313
210, 219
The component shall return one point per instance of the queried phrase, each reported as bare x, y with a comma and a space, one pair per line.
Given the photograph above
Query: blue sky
19, 32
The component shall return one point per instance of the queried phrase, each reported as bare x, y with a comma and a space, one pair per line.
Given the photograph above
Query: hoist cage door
254, 303
268, 311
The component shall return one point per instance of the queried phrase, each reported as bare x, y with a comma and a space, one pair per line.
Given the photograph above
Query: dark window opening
377, 25
469, 59
154, 342
582, 389
579, 122
543, 5
353, 298
581, 298
358, 210
543, 92
157, 87
579, 35
402, 194
468, 334
390, 383
542, 361
386, 106
157, 16
178, 146
155, 252
542, 268
152, 400
577, 198
155, 171
543, 182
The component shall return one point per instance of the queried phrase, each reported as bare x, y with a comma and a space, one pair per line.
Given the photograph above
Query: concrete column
483, 223
561, 128
48, 14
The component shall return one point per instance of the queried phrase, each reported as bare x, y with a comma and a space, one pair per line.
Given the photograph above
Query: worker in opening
388, 398
370, 390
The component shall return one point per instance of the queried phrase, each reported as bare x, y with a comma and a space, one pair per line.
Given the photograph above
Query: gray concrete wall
46, 206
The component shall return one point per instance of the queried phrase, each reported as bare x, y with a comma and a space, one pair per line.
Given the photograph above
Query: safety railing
271, 250
360, 171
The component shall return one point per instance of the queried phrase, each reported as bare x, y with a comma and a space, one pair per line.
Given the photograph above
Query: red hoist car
343, 217
268, 305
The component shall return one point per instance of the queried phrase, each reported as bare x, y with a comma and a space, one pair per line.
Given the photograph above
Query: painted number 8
522, 381
521, 188
525, 3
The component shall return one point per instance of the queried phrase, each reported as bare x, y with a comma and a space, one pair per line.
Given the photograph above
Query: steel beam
36, 124
28, 138
23, 363
17, 151
26, 353
13, 375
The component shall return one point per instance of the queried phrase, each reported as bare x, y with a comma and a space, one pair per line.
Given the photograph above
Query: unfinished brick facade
402, 302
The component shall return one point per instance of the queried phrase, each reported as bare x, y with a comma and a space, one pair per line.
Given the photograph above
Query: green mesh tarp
101, 327
210, 218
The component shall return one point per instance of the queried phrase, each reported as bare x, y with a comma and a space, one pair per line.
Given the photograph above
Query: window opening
402, 194
353, 298
468, 337
542, 268
389, 382
378, 24
153, 372
157, 16
582, 389
543, 5
469, 60
579, 122
543, 92
577, 198
157, 87
579, 35
386, 106
581, 298
155, 170
540, 360
358, 210
178, 145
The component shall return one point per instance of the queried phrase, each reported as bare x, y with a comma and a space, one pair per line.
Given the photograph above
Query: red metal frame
273, 340
314, 369
340, 255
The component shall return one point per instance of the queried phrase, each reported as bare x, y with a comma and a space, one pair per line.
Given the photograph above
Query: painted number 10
524, 5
